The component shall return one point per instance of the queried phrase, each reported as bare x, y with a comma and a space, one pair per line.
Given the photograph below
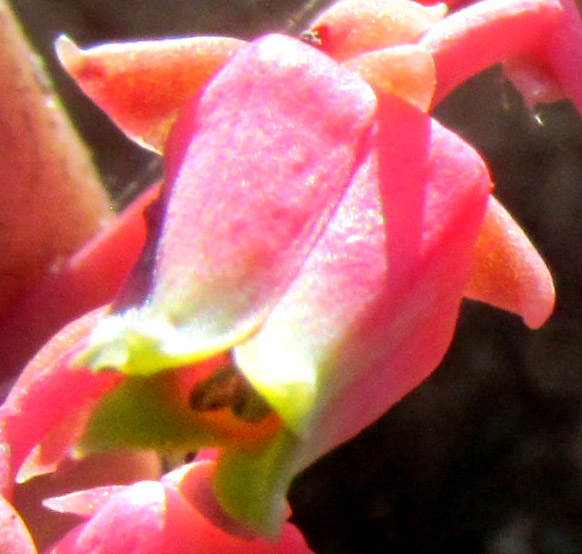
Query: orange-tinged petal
142, 85
406, 71
508, 272
351, 27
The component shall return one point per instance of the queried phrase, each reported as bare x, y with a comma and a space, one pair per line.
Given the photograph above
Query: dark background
486, 456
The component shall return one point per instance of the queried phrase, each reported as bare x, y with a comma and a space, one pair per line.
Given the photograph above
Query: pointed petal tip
508, 272
68, 53
542, 300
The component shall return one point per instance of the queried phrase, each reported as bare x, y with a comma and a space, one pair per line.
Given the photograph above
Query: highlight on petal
485, 33
352, 27
508, 272
46, 392
406, 71
401, 243
83, 503
14, 536
293, 115
133, 520
533, 79
153, 517
142, 85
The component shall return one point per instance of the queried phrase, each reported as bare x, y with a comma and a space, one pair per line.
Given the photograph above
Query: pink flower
303, 270
159, 516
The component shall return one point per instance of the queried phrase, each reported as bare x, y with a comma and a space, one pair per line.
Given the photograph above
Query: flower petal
563, 49
133, 520
152, 517
255, 170
83, 503
352, 27
142, 85
14, 536
373, 309
485, 33
45, 393
407, 71
508, 272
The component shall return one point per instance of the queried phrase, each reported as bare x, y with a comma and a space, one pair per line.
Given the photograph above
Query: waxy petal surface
406, 71
508, 272
387, 275
563, 49
153, 517
352, 27
255, 168
486, 33
142, 85
45, 393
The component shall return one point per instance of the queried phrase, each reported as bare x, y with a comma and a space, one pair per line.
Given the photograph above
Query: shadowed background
486, 456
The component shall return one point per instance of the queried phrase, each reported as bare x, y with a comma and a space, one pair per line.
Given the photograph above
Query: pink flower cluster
298, 272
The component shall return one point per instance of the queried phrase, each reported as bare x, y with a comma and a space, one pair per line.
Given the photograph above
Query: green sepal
251, 484
142, 413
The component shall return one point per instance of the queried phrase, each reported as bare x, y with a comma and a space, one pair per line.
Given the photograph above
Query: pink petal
194, 482
45, 393
255, 169
276, 138
401, 243
485, 33
149, 517
372, 310
132, 522
142, 85
407, 71
83, 503
14, 536
508, 272
563, 49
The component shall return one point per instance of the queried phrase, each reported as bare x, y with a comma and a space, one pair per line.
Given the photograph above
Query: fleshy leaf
352, 27
255, 168
142, 85
386, 277
508, 272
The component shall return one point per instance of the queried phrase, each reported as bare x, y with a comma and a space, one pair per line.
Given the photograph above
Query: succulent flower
303, 263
